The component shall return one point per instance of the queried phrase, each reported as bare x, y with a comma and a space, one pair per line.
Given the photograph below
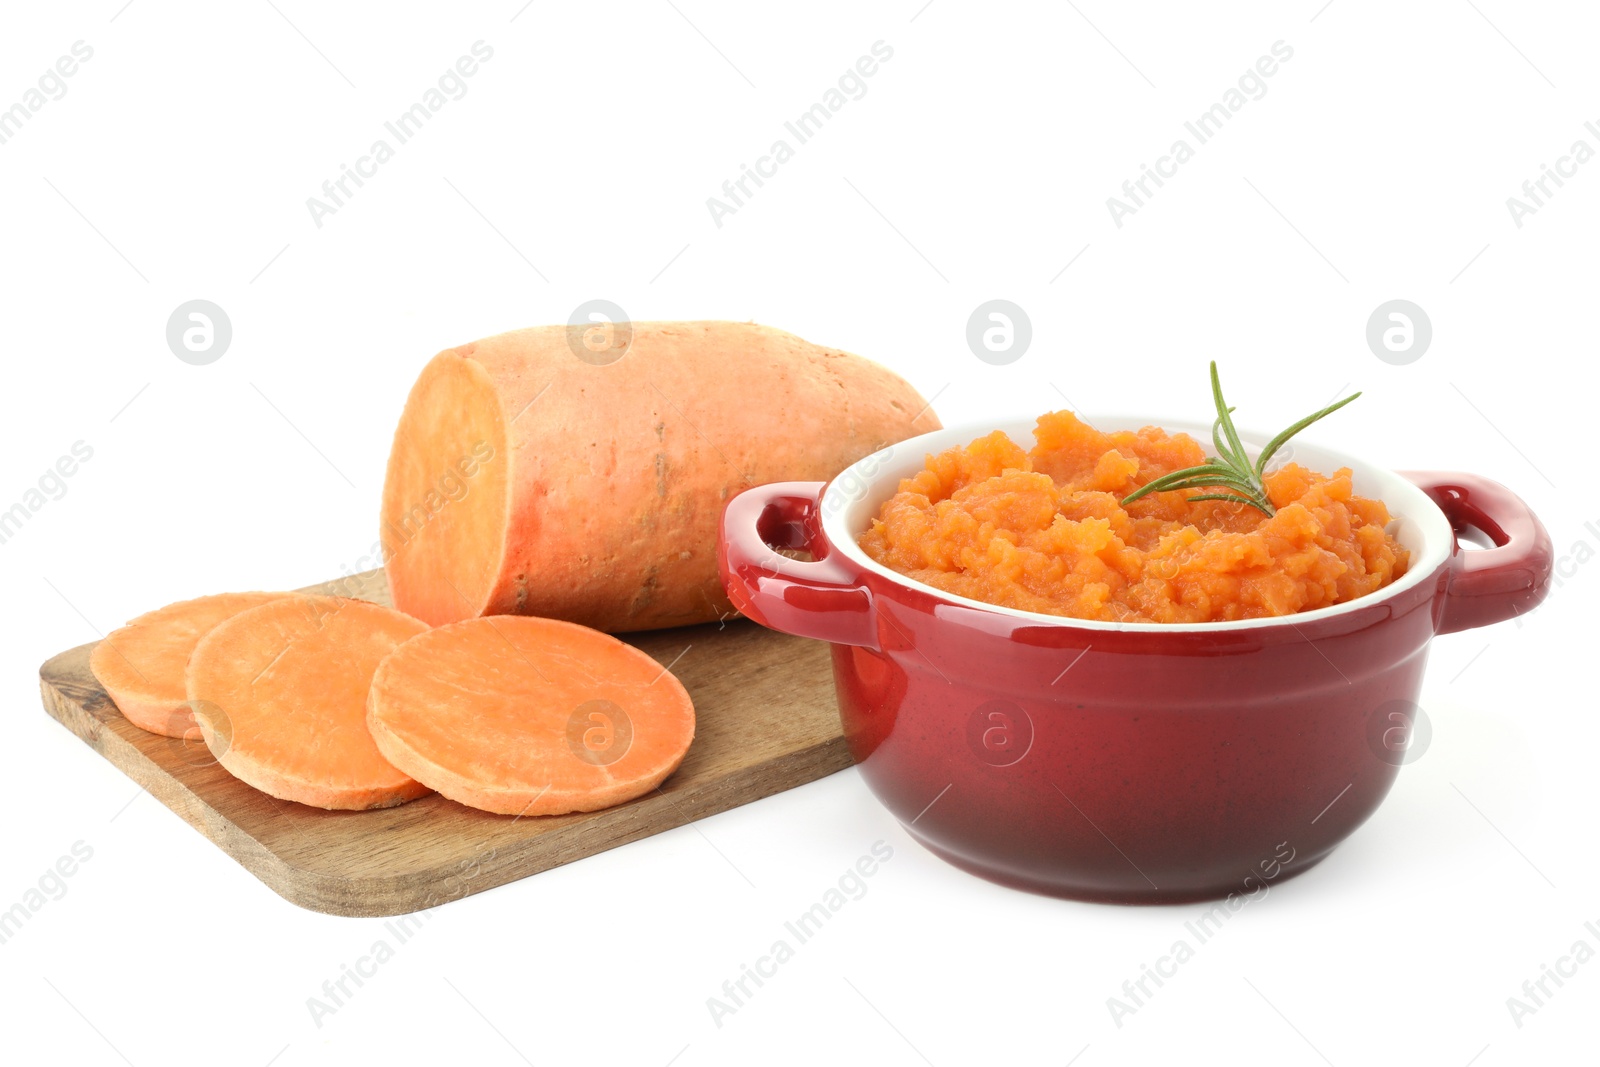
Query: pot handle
823, 598
1492, 584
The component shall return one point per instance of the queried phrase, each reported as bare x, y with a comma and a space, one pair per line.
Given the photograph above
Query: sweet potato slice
529, 716
280, 694
141, 665
541, 472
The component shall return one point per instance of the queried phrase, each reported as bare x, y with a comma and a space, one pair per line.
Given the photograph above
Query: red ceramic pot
1124, 762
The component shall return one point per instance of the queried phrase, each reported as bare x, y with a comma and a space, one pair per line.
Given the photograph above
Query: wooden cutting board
766, 721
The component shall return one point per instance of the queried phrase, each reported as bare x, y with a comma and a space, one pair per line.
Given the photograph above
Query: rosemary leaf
1283, 438
1230, 469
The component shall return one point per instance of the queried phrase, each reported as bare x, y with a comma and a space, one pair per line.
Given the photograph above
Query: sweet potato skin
617, 472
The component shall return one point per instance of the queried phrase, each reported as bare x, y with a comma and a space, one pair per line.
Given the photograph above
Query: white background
978, 164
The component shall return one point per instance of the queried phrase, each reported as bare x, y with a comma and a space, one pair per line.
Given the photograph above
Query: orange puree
1044, 531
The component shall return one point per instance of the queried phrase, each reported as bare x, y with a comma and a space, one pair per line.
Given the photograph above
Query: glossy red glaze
1135, 765
1497, 583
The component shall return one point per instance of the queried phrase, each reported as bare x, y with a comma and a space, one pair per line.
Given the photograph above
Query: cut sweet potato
529, 716
280, 694
542, 473
141, 665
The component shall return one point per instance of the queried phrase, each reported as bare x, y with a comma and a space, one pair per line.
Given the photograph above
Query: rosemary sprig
1229, 475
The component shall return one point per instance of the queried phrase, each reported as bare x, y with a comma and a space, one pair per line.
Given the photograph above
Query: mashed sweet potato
1044, 531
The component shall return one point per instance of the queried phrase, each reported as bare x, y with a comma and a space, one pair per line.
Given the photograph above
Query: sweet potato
529, 716
528, 479
280, 694
141, 665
